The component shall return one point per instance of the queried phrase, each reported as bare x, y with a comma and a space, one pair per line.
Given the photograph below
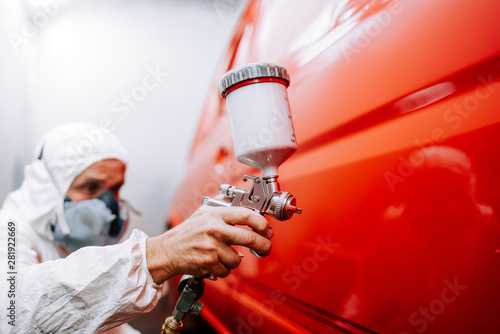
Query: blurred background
140, 68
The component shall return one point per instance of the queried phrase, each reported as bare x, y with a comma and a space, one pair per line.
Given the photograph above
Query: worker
58, 274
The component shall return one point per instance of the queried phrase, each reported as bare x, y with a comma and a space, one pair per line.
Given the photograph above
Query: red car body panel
396, 107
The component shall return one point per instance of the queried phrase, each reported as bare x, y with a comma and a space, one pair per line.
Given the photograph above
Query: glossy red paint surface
396, 107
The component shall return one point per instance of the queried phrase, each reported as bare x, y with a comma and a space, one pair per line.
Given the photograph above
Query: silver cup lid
250, 72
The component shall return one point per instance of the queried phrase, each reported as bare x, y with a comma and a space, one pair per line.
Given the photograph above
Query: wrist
158, 262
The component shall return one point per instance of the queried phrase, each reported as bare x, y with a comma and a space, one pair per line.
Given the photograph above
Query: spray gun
264, 138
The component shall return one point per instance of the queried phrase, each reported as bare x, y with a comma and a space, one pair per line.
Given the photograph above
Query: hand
201, 244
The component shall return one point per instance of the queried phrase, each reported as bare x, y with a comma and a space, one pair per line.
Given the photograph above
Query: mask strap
61, 218
133, 209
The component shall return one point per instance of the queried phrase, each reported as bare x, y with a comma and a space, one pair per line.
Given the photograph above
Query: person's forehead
109, 170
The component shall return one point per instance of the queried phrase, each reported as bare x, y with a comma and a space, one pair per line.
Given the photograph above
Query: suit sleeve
93, 289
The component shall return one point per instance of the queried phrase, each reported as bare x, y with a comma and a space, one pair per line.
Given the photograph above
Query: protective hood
63, 153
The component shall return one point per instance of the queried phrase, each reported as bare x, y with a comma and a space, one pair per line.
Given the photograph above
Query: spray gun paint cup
259, 111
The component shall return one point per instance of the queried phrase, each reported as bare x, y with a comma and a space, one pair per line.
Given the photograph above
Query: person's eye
92, 188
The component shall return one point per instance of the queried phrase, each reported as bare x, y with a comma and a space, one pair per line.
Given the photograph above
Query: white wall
13, 107
86, 58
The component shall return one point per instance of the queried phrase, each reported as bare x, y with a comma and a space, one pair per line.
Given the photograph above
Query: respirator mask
96, 222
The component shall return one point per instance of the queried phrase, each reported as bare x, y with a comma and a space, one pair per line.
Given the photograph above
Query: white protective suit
93, 289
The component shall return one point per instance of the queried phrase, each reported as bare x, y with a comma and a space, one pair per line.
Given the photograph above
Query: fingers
249, 239
229, 258
231, 235
219, 263
244, 216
